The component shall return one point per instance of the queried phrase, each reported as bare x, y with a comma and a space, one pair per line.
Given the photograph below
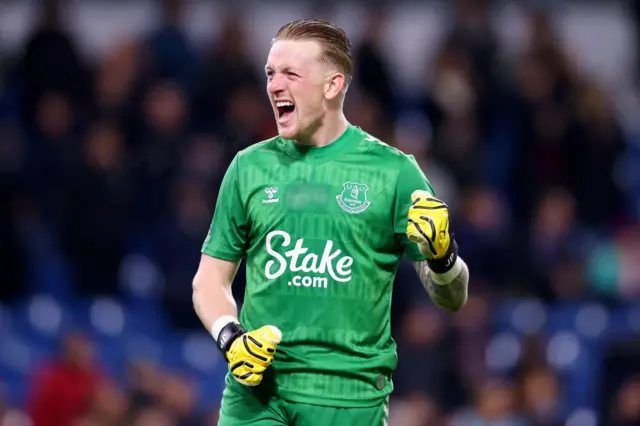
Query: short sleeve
410, 178
229, 230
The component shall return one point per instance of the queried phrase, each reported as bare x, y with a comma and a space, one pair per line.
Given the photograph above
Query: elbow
451, 305
462, 303
457, 307
448, 307
194, 292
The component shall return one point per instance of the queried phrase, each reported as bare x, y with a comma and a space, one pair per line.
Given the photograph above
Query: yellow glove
249, 353
428, 226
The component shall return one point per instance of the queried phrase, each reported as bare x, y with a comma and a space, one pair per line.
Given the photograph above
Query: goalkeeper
321, 214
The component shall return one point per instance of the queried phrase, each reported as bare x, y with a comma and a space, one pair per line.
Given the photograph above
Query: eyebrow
285, 69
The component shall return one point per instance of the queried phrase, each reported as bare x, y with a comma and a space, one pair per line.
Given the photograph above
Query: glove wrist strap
228, 334
444, 264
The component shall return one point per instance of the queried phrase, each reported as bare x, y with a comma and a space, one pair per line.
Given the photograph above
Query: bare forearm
212, 296
448, 291
211, 302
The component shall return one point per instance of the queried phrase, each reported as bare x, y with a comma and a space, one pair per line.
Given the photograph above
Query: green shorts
248, 406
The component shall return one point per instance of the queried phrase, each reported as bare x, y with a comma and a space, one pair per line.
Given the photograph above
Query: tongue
285, 114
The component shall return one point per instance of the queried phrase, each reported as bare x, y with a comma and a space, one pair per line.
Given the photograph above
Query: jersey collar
322, 153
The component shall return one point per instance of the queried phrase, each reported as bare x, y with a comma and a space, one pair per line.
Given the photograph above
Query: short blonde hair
335, 42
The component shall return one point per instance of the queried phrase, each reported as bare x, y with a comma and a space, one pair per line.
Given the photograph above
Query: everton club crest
353, 198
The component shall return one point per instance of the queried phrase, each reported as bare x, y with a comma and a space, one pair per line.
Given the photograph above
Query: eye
270, 73
291, 74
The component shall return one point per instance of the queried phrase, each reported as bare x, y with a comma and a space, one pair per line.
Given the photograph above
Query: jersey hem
324, 401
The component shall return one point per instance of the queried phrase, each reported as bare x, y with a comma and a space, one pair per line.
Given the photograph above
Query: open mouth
285, 108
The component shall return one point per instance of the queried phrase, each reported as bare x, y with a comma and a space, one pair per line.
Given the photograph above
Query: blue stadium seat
108, 319
16, 391
20, 357
503, 352
592, 321
631, 319
200, 353
193, 354
210, 391
576, 337
147, 318
520, 316
41, 318
5, 319
100, 318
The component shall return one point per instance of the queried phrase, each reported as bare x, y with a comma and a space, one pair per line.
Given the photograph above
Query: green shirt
322, 231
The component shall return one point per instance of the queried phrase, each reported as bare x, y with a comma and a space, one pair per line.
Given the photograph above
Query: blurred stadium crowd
109, 172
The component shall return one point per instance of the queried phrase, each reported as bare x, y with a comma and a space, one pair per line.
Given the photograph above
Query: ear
334, 86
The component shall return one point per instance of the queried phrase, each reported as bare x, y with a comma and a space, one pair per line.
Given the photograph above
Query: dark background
118, 119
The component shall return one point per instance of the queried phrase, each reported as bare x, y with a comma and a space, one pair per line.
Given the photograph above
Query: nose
275, 84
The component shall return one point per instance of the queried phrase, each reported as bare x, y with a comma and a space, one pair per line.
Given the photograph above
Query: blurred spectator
154, 416
495, 404
482, 231
159, 143
63, 389
145, 383
3, 408
55, 153
226, 68
541, 397
453, 107
178, 399
109, 405
13, 250
544, 88
366, 112
117, 83
415, 410
597, 147
421, 344
472, 32
627, 404
171, 55
413, 134
372, 71
620, 386
178, 243
205, 160
528, 151
51, 61
556, 244
247, 119
471, 335
96, 211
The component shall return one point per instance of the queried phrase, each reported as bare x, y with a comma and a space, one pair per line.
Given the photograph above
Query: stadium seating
575, 337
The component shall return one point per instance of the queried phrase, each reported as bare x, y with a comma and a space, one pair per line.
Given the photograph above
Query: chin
288, 132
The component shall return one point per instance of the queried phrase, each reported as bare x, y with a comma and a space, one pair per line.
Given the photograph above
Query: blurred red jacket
61, 393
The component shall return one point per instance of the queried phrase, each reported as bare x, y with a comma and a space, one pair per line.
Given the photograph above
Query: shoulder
377, 147
403, 167
259, 153
259, 148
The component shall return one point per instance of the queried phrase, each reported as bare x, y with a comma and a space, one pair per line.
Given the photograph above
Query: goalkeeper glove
428, 226
248, 353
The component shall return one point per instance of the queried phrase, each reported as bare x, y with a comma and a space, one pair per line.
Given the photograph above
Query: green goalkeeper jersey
322, 231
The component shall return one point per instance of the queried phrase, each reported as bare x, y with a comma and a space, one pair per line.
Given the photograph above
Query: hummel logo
271, 193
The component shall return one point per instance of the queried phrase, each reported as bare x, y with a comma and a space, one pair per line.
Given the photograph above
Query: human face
295, 84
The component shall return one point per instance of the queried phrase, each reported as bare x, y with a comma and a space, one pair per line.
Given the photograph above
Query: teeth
283, 103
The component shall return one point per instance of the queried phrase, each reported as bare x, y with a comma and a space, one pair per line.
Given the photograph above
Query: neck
327, 131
